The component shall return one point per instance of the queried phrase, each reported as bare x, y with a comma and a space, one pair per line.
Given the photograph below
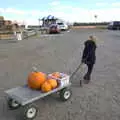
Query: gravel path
99, 100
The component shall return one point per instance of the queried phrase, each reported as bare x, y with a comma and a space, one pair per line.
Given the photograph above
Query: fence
4, 35
16, 35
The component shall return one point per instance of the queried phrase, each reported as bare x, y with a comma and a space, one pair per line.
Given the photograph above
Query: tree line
88, 24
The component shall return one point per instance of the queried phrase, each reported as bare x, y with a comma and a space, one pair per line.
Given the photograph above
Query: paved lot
99, 100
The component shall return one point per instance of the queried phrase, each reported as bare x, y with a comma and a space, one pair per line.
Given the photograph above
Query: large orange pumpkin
56, 74
53, 83
46, 87
36, 79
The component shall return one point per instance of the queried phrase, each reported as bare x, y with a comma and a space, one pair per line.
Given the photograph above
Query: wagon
23, 97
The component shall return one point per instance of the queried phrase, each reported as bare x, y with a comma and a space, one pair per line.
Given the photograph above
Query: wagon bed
24, 95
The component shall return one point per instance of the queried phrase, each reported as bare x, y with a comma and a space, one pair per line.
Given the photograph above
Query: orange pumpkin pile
38, 80
56, 75
53, 83
48, 85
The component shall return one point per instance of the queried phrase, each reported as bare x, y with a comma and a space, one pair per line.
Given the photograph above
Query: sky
29, 11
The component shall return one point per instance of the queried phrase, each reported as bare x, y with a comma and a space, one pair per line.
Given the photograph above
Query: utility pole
39, 21
95, 16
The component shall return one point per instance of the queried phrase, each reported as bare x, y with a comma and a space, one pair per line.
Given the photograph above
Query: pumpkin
46, 87
36, 79
56, 74
53, 83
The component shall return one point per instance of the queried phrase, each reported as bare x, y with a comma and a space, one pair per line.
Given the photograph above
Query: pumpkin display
53, 83
56, 75
36, 79
46, 87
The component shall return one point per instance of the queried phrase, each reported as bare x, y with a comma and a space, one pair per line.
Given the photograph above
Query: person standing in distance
89, 57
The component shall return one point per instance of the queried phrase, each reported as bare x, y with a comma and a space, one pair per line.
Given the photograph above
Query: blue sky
42, 5
74, 10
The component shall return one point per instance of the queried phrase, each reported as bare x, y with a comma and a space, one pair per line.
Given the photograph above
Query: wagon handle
80, 65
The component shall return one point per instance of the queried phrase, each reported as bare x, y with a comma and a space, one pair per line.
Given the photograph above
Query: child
89, 57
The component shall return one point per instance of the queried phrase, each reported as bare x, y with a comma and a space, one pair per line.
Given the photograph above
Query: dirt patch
77, 27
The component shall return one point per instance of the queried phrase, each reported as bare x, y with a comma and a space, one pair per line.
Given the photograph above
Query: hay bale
1, 18
5, 36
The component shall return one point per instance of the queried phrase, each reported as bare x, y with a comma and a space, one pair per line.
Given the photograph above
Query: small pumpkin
46, 87
36, 79
56, 75
53, 83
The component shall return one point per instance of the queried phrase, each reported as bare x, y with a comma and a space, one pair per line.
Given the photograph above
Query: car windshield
60, 23
117, 23
53, 26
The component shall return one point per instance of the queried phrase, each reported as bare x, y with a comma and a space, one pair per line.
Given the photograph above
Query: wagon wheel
13, 104
65, 94
29, 112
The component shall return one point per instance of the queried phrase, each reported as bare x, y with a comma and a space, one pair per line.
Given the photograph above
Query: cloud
1, 10
86, 15
13, 11
65, 12
108, 4
101, 4
116, 4
55, 3
107, 14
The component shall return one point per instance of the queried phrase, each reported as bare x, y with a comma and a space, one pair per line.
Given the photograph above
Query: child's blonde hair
93, 38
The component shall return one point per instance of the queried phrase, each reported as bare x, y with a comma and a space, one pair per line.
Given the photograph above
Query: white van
63, 26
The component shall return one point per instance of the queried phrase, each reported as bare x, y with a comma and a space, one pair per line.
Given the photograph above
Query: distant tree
87, 24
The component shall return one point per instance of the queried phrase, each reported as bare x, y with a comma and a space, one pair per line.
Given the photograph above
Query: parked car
115, 25
62, 26
54, 28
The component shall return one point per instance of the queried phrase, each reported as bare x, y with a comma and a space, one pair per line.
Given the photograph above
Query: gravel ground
99, 100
